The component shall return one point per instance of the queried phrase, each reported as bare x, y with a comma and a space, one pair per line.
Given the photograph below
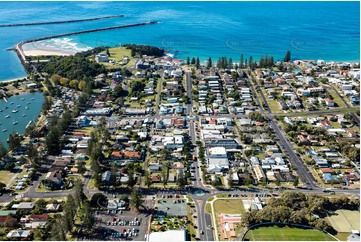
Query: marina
19, 116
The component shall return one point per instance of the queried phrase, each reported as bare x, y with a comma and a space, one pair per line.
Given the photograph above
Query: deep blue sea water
311, 30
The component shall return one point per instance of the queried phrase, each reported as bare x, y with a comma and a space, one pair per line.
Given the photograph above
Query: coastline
44, 52
14, 79
21, 52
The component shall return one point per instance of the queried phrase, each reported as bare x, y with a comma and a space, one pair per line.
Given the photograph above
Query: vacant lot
345, 220
276, 233
228, 206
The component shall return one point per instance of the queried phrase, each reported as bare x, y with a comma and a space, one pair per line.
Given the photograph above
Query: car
202, 232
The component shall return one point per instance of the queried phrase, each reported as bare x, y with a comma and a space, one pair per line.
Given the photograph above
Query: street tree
197, 63
3, 151
181, 179
88, 219
14, 140
287, 56
147, 180
32, 153
209, 62
136, 199
296, 181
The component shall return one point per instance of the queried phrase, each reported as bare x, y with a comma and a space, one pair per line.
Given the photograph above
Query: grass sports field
345, 220
276, 233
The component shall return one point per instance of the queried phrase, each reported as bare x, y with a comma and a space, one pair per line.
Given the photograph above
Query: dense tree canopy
145, 50
74, 68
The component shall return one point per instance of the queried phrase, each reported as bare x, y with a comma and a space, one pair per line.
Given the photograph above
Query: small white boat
1, 110
12, 103
4, 130
24, 115
29, 123
15, 122
7, 116
32, 98
18, 106
14, 111
22, 98
26, 107
6, 107
28, 102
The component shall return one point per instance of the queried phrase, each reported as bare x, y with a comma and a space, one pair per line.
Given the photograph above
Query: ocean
311, 30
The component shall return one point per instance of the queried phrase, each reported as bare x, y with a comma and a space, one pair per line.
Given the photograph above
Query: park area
117, 54
276, 233
168, 223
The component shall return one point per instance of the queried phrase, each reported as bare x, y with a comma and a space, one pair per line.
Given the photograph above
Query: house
60, 163
106, 177
84, 121
155, 178
52, 207
53, 179
235, 178
351, 133
18, 234
329, 102
102, 58
258, 172
39, 217
327, 170
133, 155
23, 205
116, 155
5, 213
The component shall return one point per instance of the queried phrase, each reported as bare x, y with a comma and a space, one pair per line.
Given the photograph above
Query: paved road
355, 117
159, 91
189, 91
296, 161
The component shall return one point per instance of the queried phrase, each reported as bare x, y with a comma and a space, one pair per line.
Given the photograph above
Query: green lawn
336, 98
117, 54
91, 184
274, 106
276, 233
5, 176
208, 208
228, 206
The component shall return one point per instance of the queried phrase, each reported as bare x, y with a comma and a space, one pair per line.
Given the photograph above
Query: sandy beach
13, 80
44, 52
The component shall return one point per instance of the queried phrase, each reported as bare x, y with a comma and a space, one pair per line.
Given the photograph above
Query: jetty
19, 50
61, 22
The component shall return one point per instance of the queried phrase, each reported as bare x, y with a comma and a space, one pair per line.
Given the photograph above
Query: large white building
217, 160
170, 235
